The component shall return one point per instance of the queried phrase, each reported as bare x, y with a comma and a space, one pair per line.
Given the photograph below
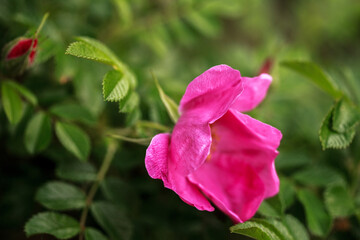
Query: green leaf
133, 117
129, 103
262, 229
26, 93
59, 225
60, 196
115, 86
112, 220
12, 103
170, 105
76, 171
94, 234
330, 138
287, 193
74, 112
318, 176
338, 201
345, 116
272, 207
318, 220
97, 51
314, 74
296, 228
73, 139
38, 133
93, 50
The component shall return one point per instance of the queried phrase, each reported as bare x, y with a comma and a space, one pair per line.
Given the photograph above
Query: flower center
215, 138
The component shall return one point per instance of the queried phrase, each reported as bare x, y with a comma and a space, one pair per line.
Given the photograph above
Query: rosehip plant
157, 90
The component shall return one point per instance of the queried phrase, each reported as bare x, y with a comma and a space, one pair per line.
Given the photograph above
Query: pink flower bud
22, 47
18, 55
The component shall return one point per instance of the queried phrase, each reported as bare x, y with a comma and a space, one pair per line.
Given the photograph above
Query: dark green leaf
338, 201
26, 93
94, 234
112, 220
12, 103
318, 176
129, 103
60, 196
296, 228
133, 117
59, 225
330, 138
345, 116
38, 133
76, 171
272, 207
74, 112
318, 220
262, 229
287, 193
73, 139
115, 86
316, 75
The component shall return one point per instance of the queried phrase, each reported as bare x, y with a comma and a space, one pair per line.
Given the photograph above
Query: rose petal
251, 141
210, 95
232, 184
159, 166
156, 159
254, 92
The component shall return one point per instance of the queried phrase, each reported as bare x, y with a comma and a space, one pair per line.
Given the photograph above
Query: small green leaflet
112, 220
115, 86
73, 139
59, 225
171, 106
296, 228
269, 229
345, 116
272, 207
38, 133
94, 234
73, 112
12, 103
76, 171
338, 201
94, 50
60, 196
23, 91
329, 137
318, 220
318, 176
130, 102
316, 75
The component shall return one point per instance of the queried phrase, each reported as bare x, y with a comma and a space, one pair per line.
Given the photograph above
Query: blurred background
178, 40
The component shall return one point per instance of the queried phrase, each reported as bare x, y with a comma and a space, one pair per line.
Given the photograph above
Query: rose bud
18, 55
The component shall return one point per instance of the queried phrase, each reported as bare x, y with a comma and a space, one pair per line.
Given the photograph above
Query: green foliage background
178, 40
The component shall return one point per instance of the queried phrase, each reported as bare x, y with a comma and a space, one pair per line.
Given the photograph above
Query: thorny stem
112, 147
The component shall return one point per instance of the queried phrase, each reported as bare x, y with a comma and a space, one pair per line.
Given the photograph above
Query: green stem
112, 147
43, 20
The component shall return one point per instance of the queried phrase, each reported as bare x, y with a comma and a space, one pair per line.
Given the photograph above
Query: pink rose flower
215, 152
